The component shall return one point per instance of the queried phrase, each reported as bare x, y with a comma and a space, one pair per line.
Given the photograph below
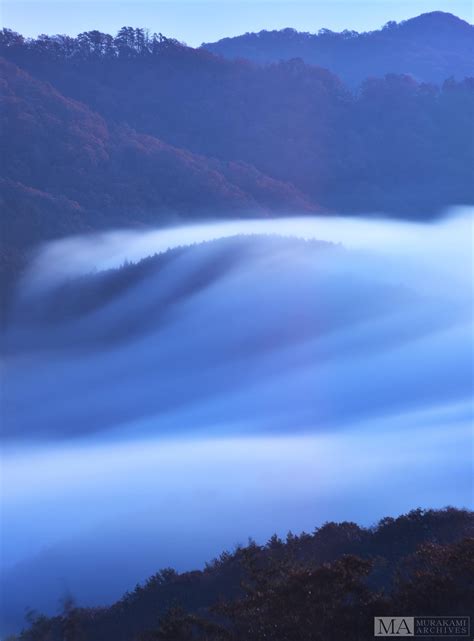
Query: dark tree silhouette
324, 586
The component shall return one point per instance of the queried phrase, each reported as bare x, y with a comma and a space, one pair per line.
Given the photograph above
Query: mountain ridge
438, 44
139, 129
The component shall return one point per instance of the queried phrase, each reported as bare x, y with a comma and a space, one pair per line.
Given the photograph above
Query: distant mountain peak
439, 20
430, 47
437, 16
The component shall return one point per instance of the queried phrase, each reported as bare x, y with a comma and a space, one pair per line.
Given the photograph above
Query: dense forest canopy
128, 43
321, 586
101, 131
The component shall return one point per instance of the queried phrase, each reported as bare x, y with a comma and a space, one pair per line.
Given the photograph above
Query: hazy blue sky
195, 21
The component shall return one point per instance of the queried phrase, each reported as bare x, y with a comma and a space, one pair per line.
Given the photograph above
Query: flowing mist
254, 376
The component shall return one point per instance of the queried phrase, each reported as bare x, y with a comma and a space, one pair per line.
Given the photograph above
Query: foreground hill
323, 586
430, 47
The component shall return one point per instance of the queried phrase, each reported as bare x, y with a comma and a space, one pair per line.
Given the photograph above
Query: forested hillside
323, 586
100, 131
430, 47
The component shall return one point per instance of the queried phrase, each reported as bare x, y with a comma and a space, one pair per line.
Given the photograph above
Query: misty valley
236, 333
228, 376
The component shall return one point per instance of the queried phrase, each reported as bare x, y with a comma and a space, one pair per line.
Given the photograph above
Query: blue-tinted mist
232, 388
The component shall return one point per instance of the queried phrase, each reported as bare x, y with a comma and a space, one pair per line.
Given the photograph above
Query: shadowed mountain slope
396, 145
66, 170
100, 131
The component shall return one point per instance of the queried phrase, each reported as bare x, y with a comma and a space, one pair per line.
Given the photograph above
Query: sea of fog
255, 383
